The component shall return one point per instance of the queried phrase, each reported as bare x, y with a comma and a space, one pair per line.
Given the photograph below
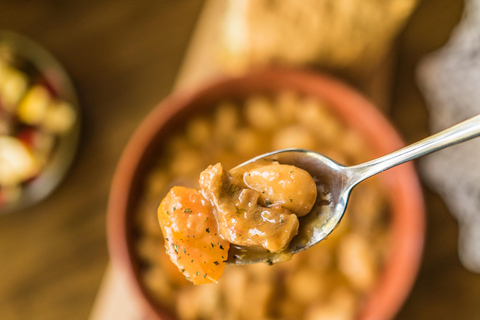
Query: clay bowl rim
405, 193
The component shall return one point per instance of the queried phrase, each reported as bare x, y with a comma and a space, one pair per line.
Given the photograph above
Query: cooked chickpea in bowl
345, 276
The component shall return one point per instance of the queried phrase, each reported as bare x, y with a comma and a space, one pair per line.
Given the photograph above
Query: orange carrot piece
191, 235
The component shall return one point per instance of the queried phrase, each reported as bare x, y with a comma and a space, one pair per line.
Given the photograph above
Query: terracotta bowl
402, 183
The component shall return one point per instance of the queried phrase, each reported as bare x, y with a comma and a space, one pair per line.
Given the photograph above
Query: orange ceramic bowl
402, 183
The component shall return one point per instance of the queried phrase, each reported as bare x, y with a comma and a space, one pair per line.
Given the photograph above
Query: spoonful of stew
272, 206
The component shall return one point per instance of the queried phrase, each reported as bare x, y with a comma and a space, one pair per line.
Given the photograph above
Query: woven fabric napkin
450, 81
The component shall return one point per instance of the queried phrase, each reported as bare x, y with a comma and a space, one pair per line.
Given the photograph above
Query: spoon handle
461, 132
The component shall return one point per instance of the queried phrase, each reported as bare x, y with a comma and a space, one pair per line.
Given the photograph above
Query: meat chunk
242, 221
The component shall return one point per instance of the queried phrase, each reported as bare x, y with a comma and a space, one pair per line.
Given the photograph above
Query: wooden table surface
123, 57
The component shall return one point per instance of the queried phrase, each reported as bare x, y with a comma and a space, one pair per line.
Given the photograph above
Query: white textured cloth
450, 81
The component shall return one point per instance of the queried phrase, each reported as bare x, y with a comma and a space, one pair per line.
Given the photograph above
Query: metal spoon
334, 184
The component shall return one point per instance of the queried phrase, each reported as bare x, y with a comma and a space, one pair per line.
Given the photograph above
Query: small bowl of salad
39, 122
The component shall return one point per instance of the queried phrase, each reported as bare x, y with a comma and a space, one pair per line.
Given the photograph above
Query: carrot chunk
191, 235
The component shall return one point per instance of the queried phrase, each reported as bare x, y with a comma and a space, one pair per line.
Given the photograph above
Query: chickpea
234, 288
261, 114
226, 120
256, 300
293, 137
247, 142
287, 105
291, 187
157, 281
186, 163
307, 285
199, 131
340, 306
319, 120
357, 261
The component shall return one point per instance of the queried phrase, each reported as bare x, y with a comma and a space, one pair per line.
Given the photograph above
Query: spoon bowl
333, 189
334, 184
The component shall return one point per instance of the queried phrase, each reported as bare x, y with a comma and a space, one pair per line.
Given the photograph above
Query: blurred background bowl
401, 183
56, 78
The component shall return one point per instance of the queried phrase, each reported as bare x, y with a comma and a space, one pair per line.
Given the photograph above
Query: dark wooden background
123, 57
